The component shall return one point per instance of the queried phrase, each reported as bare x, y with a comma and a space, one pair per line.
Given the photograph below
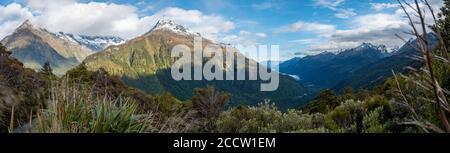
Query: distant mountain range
145, 61
377, 72
327, 69
361, 67
34, 46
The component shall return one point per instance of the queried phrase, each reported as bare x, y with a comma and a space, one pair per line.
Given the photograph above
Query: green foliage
325, 101
209, 103
48, 71
73, 110
266, 118
21, 88
80, 73
444, 22
346, 118
374, 114
169, 105
373, 121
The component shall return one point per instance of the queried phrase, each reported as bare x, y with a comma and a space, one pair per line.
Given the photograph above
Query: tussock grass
74, 109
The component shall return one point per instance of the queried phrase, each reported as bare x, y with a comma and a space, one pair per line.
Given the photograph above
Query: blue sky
300, 27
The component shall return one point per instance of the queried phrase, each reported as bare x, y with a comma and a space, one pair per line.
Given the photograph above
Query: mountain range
34, 46
377, 72
145, 61
326, 69
362, 67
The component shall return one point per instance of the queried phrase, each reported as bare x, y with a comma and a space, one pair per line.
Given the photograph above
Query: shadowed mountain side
327, 69
377, 72
244, 92
372, 74
35, 59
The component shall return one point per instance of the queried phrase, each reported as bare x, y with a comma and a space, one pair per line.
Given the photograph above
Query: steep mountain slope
377, 72
35, 46
144, 62
327, 69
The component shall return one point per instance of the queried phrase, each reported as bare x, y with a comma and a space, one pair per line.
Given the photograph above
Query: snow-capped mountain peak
95, 43
172, 26
382, 48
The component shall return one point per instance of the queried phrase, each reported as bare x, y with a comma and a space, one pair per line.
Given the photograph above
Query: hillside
34, 46
21, 89
144, 62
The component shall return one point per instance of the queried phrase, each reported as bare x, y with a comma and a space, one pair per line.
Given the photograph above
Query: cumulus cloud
210, 26
101, 18
383, 6
376, 28
11, 16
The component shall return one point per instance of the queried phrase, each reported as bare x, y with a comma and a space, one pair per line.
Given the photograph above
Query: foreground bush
351, 116
266, 118
74, 110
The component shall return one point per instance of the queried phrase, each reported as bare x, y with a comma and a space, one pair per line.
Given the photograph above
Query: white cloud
245, 38
261, 35
89, 18
317, 28
344, 13
11, 16
99, 18
210, 26
333, 5
329, 3
243, 32
376, 28
383, 6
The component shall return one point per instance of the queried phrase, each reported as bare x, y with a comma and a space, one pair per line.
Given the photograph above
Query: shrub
373, 121
266, 118
209, 103
347, 117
